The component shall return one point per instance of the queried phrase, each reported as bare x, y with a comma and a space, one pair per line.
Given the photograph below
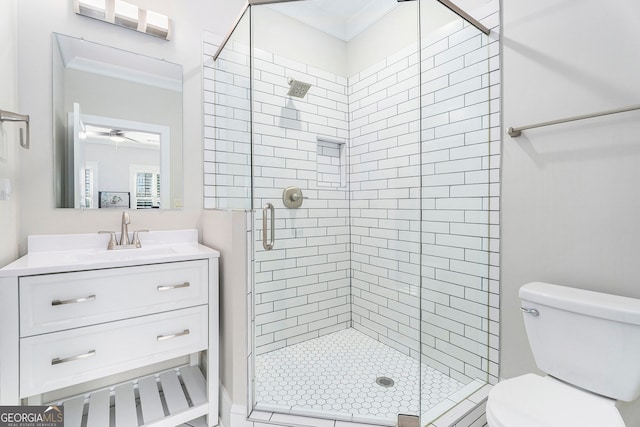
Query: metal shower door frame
447, 3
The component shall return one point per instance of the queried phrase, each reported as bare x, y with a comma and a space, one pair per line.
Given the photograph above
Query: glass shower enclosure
359, 137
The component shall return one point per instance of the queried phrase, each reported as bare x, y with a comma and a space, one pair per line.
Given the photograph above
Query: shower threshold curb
451, 414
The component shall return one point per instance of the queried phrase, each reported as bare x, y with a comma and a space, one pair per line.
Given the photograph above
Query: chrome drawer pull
179, 334
171, 287
73, 300
58, 361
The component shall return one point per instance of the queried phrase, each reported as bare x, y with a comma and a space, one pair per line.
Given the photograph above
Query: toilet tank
588, 339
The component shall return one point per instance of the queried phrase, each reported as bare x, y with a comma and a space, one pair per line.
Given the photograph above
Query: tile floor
334, 376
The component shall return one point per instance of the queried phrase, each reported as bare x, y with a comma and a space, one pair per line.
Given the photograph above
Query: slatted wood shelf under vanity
165, 399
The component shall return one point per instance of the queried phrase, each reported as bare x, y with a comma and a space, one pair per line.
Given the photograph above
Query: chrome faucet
125, 242
124, 230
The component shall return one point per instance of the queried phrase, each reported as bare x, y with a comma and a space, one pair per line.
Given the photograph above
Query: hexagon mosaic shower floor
336, 375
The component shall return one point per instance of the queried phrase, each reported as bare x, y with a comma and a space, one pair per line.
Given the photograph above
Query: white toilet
589, 345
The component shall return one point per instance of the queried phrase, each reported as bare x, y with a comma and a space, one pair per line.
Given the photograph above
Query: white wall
297, 41
570, 201
9, 142
38, 216
227, 232
303, 43
395, 31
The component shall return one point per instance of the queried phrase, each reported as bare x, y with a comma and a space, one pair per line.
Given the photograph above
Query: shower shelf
165, 399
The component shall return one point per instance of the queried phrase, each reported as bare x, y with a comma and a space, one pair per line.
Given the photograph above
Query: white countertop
77, 252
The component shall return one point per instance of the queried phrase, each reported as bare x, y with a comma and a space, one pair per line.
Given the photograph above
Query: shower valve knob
292, 197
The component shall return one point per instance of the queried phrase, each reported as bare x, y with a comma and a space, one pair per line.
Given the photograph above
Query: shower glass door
460, 161
337, 204
363, 137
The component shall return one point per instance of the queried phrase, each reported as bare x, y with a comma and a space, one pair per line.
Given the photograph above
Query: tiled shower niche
331, 162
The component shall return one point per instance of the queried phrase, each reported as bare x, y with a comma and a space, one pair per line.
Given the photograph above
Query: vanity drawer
56, 302
61, 359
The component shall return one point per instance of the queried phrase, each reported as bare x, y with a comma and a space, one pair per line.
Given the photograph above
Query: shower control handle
292, 197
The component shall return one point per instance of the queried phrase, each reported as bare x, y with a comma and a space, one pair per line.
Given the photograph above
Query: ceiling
343, 19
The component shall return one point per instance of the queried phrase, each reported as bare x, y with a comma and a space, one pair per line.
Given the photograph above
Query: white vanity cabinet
66, 320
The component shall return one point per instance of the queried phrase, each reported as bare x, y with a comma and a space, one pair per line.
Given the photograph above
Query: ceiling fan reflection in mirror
118, 136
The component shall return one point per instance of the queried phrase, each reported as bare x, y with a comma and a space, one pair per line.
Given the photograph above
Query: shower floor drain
385, 381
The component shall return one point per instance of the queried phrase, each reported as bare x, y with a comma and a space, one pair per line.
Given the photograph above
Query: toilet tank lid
595, 304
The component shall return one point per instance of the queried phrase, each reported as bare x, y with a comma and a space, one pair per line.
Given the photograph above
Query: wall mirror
117, 128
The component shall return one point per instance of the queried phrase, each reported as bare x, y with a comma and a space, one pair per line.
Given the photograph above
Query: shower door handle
268, 245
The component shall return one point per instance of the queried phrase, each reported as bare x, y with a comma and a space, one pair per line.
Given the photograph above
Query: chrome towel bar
516, 132
8, 116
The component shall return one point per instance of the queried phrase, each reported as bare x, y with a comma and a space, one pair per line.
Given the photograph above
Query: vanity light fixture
157, 23
126, 15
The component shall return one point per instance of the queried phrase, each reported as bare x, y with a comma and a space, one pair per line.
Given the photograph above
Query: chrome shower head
298, 89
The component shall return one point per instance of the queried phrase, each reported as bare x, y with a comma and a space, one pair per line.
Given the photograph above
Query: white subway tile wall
384, 109
227, 125
302, 287
419, 204
460, 135
460, 217
461, 148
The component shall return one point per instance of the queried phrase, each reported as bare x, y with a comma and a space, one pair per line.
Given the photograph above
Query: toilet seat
534, 401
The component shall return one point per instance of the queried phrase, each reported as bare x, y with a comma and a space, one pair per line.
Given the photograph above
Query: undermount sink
98, 256
122, 254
